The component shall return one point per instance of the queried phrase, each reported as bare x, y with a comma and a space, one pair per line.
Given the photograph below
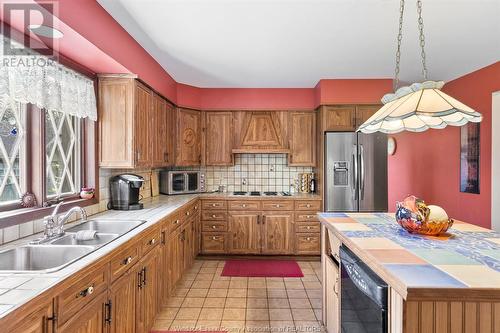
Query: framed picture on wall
469, 158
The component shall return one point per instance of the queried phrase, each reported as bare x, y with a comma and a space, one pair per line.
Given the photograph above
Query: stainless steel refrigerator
355, 172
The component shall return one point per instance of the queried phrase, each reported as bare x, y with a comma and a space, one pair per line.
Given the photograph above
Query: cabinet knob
308, 238
308, 205
187, 213
308, 228
176, 221
88, 291
214, 216
243, 205
277, 206
127, 260
152, 241
214, 238
308, 216
213, 205
214, 227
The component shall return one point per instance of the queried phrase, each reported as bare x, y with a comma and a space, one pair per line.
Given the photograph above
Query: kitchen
151, 183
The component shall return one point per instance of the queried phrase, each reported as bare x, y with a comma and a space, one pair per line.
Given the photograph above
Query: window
30, 138
12, 153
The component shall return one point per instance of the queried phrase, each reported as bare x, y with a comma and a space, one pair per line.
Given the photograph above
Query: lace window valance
39, 80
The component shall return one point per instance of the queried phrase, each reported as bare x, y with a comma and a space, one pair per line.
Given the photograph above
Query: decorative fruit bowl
416, 217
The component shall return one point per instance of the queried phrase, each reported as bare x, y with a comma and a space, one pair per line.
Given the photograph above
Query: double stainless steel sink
60, 252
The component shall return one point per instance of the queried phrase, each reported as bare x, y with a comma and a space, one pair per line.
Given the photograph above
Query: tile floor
205, 300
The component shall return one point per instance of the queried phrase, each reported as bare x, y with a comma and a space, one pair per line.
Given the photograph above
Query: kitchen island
449, 283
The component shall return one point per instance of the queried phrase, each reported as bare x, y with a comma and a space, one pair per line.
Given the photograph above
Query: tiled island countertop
465, 261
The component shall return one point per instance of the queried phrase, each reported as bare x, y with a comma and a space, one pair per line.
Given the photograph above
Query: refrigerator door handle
362, 170
355, 172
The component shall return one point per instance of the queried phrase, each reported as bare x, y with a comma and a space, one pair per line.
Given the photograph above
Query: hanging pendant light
419, 106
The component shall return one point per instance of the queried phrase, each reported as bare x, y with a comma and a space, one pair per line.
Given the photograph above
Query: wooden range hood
260, 132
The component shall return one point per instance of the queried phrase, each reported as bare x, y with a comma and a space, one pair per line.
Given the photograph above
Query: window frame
13, 214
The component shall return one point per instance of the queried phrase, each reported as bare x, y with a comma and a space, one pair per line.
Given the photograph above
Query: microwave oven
181, 182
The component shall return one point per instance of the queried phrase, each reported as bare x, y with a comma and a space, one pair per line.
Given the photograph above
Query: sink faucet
54, 226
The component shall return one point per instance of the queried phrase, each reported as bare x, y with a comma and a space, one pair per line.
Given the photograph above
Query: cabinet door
339, 118
219, 138
90, 319
147, 306
172, 258
38, 321
244, 232
116, 121
122, 297
143, 116
187, 245
364, 112
163, 269
302, 139
277, 232
171, 135
159, 132
332, 297
188, 138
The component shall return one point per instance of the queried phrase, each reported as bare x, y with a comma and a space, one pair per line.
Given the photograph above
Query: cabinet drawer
78, 294
150, 240
313, 205
244, 205
277, 205
308, 243
213, 216
306, 216
123, 260
213, 242
214, 226
174, 221
307, 227
213, 204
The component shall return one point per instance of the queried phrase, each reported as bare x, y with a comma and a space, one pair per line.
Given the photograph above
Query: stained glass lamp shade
417, 108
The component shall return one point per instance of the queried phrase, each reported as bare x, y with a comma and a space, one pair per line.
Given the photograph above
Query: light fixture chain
422, 38
400, 38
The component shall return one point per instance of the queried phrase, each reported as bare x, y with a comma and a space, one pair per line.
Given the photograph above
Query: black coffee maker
124, 191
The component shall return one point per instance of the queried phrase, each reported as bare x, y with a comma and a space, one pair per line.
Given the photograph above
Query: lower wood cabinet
244, 233
122, 301
41, 320
332, 290
91, 319
277, 233
146, 296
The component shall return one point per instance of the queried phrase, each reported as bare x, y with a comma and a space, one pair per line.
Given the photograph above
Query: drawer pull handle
176, 222
308, 216
308, 205
308, 228
214, 227
214, 216
308, 238
195, 207
214, 205
214, 238
277, 206
152, 241
127, 260
243, 205
85, 292
187, 213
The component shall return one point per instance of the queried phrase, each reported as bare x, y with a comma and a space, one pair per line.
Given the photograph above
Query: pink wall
427, 164
345, 91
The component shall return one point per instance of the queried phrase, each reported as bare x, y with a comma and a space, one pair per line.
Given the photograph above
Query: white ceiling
294, 43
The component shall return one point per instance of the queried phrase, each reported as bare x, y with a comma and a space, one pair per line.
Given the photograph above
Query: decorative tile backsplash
253, 172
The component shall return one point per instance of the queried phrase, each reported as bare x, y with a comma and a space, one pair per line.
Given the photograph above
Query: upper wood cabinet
218, 138
133, 124
346, 117
260, 132
188, 152
302, 132
161, 132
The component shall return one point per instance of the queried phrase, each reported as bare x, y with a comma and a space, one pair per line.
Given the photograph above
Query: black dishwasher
363, 300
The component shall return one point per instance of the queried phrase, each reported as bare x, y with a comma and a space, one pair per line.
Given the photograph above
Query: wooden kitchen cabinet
219, 138
132, 124
122, 302
146, 292
160, 133
39, 321
91, 319
244, 232
345, 117
302, 132
277, 233
188, 138
332, 288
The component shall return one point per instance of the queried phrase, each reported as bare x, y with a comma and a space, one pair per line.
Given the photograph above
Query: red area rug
262, 268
